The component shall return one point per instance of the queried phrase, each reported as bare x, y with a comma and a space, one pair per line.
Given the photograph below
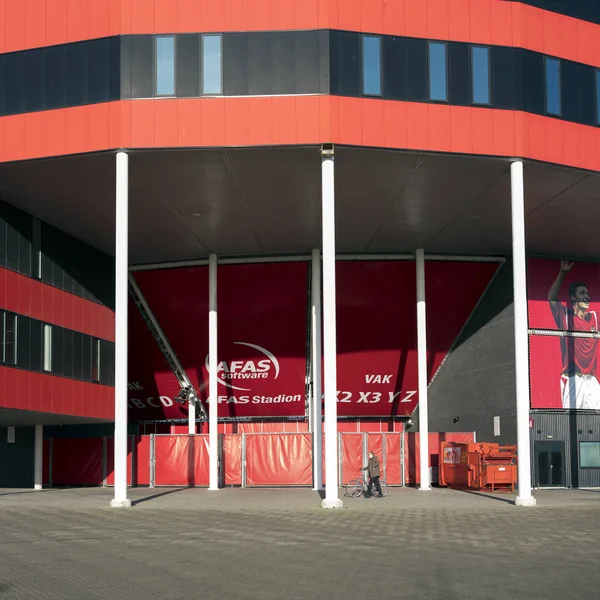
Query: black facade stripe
67, 263
283, 63
585, 10
71, 351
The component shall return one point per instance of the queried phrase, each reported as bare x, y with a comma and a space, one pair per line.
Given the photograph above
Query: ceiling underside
266, 201
25, 418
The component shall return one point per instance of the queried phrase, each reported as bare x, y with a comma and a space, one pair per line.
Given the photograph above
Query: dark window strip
585, 10
66, 263
295, 62
72, 355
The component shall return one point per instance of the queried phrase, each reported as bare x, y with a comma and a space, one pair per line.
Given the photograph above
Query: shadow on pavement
25, 492
154, 496
489, 496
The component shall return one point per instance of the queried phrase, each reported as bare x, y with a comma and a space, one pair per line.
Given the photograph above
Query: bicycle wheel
354, 488
384, 489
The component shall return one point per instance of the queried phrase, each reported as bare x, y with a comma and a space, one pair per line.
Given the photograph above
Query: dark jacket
374, 467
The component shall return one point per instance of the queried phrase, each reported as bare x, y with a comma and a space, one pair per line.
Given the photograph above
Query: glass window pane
437, 71
211, 64
552, 86
598, 96
2, 326
481, 74
10, 339
165, 65
589, 454
96, 360
371, 65
47, 347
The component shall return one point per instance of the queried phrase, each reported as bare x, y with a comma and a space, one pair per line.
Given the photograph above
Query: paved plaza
277, 543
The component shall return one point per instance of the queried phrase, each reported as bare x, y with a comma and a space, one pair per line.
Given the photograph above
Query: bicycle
356, 487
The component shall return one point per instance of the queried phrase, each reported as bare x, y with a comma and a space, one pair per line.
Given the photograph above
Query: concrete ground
275, 543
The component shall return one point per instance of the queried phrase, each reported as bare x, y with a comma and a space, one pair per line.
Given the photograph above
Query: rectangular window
552, 70
212, 65
480, 69
95, 360
598, 96
47, 347
371, 67
438, 85
589, 455
2, 328
10, 339
165, 65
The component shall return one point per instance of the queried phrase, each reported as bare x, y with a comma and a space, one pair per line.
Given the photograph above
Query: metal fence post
243, 460
402, 462
384, 454
152, 459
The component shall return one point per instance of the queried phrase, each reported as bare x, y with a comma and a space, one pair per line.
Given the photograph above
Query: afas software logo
234, 372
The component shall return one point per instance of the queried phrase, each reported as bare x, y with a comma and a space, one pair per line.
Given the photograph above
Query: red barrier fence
246, 459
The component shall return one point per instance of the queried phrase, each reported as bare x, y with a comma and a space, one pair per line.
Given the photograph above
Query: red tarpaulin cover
262, 340
77, 461
351, 456
142, 460
232, 458
278, 459
377, 328
412, 462
181, 460
393, 473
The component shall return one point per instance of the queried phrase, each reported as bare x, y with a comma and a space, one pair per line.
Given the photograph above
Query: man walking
374, 472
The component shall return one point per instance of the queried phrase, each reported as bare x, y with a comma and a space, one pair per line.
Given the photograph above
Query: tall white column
191, 418
121, 300
422, 373
213, 406
315, 356
38, 457
521, 336
331, 499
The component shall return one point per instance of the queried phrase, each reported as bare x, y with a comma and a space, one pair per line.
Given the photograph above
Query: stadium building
242, 242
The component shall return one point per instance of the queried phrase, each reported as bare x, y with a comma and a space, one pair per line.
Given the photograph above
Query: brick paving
274, 543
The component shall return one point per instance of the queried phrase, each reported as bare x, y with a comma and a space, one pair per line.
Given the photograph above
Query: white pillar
213, 406
521, 336
38, 457
332, 499
191, 418
315, 355
121, 301
422, 373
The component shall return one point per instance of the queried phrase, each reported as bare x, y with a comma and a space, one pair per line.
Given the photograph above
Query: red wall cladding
34, 23
267, 121
26, 390
26, 296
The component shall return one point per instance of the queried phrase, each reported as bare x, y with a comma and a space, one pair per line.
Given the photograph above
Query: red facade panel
32, 298
35, 23
264, 121
26, 390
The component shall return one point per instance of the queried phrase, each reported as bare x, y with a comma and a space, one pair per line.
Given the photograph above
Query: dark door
549, 464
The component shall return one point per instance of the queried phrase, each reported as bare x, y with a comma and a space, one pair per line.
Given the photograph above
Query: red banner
181, 460
564, 296
377, 328
279, 459
567, 277
261, 340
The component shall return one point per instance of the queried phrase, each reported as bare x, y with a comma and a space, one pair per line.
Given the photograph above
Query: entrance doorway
549, 460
